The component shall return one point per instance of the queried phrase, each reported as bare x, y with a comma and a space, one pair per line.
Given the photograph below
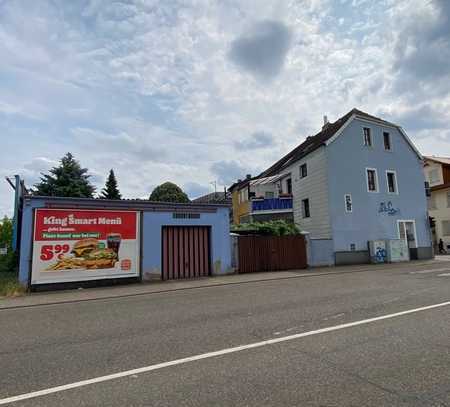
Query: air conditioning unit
397, 250
377, 251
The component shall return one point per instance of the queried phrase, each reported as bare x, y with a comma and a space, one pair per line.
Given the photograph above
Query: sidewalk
129, 290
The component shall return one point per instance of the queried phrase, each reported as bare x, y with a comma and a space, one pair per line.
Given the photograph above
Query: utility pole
215, 188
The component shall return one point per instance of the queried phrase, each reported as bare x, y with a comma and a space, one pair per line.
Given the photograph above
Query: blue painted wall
152, 223
347, 159
26, 243
321, 252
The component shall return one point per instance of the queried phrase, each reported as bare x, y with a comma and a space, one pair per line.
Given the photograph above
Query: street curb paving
167, 290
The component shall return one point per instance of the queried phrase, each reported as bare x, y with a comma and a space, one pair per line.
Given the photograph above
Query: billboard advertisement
79, 245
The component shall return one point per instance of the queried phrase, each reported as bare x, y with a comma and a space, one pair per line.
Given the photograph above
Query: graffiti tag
387, 207
380, 255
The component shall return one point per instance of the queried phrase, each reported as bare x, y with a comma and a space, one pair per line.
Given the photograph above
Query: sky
200, 91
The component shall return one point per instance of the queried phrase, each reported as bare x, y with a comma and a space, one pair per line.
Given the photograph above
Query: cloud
120, 144
166, 93
258, 139
419, 118
263, 49
422, 47
32, 170
195, 190
228, 172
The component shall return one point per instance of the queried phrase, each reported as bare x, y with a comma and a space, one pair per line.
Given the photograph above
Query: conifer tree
111, 189
68, 179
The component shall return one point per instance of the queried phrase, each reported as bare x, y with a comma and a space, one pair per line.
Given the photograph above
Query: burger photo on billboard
85, 246
101, 258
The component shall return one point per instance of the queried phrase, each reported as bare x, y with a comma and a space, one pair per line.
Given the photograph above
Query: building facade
437, 174
79, 240
359, 179
262, 199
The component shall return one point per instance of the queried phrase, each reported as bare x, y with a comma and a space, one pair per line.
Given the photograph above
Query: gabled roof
214, 197
440, 160
328, 131
269, 180
239, 184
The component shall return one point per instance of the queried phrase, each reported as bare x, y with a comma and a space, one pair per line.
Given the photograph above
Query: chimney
325, 122
248, 176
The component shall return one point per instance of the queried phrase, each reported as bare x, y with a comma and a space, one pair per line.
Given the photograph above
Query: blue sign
387, 207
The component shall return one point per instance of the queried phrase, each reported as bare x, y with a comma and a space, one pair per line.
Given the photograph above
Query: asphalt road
399, 361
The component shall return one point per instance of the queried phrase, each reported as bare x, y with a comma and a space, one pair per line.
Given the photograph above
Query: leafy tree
169, 192
8, 262
6, 232
111, 189
68, 179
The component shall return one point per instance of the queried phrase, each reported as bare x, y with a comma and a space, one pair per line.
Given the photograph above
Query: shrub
9, 286
269, 228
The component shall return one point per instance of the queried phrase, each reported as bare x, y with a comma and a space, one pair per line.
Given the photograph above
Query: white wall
441, 213
432, 166
315, 188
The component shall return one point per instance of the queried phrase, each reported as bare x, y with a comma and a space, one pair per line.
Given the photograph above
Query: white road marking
444, 275
208, 355
441, 258
429, 271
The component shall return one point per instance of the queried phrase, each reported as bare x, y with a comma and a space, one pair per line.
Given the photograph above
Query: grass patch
9, 285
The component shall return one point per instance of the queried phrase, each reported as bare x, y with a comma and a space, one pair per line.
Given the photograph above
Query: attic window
387, 141
367, 137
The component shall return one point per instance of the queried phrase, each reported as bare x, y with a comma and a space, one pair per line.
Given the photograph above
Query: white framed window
305, 208
367, 137
391, 181
348, 203
243, 195
303, 170
387, 141
372, 180
432, 202
433, 176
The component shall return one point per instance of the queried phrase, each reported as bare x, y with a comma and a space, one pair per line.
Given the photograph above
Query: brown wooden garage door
185, 252
271, 253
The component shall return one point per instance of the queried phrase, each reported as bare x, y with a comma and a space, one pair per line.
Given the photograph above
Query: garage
72, 241
186, 252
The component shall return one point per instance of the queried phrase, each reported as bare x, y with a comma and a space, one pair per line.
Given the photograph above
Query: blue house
359, 179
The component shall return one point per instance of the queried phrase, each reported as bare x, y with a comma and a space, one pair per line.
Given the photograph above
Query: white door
407, 232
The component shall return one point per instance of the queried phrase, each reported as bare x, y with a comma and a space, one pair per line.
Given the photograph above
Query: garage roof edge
130, 204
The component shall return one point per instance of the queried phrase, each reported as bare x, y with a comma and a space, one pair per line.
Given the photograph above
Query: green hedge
270, 228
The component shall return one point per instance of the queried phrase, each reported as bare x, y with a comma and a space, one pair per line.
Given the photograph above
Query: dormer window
367, 137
